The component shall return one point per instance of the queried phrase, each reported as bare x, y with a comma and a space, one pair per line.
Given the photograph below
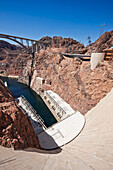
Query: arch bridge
21, 41
25, 42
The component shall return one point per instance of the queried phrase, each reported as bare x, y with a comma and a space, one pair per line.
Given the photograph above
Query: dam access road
92, 149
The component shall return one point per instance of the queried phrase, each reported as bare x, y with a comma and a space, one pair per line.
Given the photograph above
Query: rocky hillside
15, 129
69, 45
64, 44
102, 43
12, 58
6, 45
73, 80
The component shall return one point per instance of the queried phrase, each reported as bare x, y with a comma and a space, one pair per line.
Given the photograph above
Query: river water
33, 98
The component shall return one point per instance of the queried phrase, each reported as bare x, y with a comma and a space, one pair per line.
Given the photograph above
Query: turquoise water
19, 89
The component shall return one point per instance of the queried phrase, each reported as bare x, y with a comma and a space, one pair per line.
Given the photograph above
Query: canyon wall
73, 80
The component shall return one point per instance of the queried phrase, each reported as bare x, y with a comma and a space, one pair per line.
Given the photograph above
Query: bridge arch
12, 39
16, 39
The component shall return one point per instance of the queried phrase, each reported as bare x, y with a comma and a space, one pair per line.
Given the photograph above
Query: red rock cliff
15, 129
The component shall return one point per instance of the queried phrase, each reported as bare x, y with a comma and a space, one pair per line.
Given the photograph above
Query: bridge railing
33, 111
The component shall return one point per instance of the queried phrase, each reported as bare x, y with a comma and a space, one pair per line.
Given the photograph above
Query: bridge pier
21, 41
27, 42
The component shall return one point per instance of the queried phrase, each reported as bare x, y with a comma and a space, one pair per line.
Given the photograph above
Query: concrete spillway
92, 149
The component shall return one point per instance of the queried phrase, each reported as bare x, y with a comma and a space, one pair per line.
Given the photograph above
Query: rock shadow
44, 139
50, 144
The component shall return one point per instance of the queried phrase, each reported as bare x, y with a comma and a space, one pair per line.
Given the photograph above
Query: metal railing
41, 121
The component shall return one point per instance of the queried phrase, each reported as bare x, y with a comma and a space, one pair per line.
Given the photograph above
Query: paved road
91, 150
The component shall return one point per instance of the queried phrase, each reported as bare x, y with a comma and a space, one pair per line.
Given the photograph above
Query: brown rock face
15, 129
13, 58
13, 61
104, 42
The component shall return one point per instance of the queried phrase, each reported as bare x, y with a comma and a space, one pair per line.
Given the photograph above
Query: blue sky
66, 18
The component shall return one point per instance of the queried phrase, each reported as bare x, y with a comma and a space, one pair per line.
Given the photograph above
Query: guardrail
33, 111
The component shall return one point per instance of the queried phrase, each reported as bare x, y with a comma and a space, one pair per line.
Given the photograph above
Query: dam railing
41, 121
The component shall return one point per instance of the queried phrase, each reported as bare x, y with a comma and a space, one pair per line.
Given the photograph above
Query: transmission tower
102, 29
89, 40
89, 43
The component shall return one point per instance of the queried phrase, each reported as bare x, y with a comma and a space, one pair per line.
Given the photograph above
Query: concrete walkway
92, 149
